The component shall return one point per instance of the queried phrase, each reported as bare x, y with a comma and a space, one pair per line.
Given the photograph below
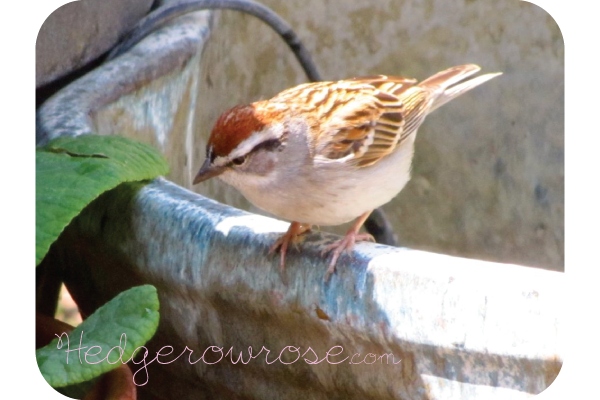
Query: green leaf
71, 172
133, 312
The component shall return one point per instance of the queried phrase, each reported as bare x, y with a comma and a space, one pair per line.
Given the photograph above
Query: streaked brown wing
361, 120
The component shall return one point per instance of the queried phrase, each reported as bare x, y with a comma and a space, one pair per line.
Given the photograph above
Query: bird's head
246, 140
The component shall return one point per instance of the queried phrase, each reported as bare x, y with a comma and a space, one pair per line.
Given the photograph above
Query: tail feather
451, 83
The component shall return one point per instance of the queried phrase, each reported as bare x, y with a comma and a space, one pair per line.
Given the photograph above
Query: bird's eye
239, 160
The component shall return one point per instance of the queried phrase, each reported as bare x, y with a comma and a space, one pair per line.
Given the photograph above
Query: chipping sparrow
325, 153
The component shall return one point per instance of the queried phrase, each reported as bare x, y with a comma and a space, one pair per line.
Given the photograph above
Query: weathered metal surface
462, 328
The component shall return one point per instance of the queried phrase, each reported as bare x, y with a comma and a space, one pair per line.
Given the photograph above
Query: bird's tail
451, 83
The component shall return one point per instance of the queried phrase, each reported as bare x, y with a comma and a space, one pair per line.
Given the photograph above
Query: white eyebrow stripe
246, 146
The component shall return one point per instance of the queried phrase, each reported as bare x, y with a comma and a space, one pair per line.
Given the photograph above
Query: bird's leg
347, 243
291, 236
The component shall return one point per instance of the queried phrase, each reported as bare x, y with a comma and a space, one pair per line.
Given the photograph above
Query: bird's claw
291, 236
345, 244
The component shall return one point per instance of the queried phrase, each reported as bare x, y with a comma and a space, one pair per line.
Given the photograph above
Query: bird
327, 153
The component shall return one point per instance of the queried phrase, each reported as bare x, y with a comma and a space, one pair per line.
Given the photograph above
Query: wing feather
369, 123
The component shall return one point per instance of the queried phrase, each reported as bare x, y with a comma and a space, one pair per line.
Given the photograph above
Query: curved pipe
265, 14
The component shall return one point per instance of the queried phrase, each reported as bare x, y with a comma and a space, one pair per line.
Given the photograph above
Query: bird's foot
347, 243
292, 236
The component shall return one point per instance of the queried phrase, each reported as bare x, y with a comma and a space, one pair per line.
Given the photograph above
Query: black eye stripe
238, 160
269, 145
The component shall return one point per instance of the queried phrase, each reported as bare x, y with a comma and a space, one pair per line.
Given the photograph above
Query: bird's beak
208, 171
